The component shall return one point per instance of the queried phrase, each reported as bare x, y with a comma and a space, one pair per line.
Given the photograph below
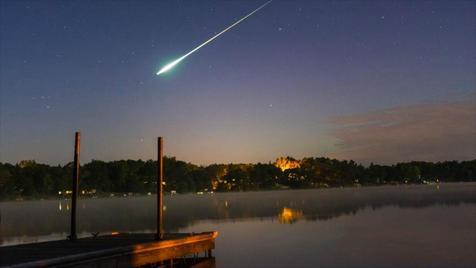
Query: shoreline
128, 195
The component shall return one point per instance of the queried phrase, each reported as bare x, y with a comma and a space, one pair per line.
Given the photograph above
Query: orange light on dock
115, 233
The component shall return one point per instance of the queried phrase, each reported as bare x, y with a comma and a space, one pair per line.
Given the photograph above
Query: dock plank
123, 250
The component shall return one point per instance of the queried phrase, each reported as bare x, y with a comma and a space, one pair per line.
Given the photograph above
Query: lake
387, 226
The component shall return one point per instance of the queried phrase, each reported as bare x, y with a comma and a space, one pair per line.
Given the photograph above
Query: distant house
285, 163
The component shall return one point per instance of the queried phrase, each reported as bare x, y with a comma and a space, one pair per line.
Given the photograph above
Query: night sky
380, 81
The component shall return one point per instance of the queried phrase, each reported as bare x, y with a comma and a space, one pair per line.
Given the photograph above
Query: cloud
424, 132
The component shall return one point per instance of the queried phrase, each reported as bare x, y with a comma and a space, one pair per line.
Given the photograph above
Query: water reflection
63, 206
288, 215
135, 214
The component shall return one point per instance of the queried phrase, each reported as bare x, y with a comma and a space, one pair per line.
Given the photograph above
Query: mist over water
389, 226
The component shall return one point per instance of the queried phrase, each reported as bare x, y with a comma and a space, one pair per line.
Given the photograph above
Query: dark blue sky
380, 81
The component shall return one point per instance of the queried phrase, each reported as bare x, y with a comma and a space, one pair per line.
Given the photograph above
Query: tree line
28, 179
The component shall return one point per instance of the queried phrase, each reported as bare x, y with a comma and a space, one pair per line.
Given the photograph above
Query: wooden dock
116, 250
121, 250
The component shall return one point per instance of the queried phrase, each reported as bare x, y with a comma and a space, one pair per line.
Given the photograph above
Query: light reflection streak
288, 215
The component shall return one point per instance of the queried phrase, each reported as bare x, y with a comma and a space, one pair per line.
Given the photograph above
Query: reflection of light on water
288, 215
60, 206
226, 204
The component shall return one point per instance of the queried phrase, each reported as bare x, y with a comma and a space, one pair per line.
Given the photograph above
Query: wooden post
74, 195
160, 177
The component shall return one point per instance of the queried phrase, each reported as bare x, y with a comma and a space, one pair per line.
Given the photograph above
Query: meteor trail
175, 62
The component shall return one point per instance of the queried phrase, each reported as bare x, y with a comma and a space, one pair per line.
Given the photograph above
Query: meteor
177, 61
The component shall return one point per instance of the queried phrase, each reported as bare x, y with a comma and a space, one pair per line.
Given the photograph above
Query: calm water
395, 226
